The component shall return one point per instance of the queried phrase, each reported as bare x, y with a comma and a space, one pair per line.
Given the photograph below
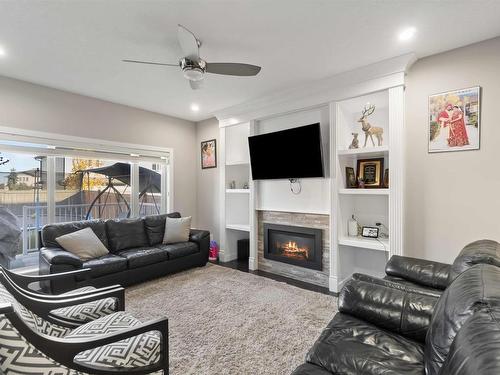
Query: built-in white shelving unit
234, 169
365, 243
336, 103
344, 191
240, 227
369, 205
238, 191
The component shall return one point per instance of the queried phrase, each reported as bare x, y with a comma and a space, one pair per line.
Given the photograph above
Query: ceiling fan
194, 67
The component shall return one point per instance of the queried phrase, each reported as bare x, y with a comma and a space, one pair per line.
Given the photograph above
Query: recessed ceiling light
50, 147
407, 34
2, 52
135, 155
195, 107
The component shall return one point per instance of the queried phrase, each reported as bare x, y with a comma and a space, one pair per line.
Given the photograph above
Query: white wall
452, 198
33, 107
275, 195
207, 181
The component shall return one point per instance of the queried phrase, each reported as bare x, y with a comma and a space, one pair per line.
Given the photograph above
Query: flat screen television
291, 153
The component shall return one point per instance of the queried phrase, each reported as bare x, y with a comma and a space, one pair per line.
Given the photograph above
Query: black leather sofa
136, 252
382, 330
432, 278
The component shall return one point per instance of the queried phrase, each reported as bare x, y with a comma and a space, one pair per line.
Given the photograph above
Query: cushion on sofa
310, 369
126, 234
104, 265
141, 350
473, 289
83, 243
177, 230
88, 311
477, 252
143, 256
476, 347
51, 231
352, 346
179, 250
155, 227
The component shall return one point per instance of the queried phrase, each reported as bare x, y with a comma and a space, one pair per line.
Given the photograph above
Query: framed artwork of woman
209, 154
454, 120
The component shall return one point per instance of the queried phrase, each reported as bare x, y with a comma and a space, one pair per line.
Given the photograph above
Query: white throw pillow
177, 230
83, 243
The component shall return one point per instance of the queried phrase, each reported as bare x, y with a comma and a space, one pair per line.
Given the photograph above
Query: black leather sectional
136, 252
389, 328
432, 278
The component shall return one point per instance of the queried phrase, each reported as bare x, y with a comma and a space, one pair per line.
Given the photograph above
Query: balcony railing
35, 217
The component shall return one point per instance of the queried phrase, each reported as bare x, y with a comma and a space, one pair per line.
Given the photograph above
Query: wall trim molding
360, 81
95, 144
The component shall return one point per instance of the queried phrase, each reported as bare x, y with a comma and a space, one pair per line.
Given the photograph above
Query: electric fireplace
299, 246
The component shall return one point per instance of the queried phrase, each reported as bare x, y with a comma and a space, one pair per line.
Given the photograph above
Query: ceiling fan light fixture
193, 70
194, 74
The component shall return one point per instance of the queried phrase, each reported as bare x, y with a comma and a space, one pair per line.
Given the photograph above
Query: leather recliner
382, 330
136, 253
432, 278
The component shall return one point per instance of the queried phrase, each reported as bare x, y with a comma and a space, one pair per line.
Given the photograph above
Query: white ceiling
77, 45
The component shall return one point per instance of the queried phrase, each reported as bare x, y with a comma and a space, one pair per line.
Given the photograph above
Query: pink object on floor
213, 252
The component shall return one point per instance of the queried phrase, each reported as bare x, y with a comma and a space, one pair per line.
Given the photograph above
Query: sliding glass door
42, 184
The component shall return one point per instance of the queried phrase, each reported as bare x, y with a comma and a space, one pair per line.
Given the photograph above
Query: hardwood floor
242, 265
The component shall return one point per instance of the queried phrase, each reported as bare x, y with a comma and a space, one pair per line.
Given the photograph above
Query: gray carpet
224, 321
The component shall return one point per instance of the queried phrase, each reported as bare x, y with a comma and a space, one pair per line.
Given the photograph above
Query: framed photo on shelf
386, 178
209, 154
454, 120
350, 178
370, 171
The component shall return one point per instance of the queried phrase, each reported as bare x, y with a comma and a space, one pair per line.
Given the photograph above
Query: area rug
223, 321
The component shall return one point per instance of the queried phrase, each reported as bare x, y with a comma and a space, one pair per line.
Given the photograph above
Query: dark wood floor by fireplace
242, 265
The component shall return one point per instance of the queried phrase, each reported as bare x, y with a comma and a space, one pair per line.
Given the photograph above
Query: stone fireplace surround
318, 221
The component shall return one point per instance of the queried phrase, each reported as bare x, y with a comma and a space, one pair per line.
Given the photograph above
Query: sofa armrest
202, 239
395, 284
195, 235
405, 313
23, 282
54, 255
56, 260
420, 271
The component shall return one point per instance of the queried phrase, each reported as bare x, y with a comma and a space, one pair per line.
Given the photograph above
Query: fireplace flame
291, 248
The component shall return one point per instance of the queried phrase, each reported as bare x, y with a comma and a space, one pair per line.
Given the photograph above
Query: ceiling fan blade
189, 43
195, 85
233, 69
149, 62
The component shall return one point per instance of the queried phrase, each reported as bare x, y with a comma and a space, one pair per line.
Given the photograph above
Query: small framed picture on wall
209, 154
454, 120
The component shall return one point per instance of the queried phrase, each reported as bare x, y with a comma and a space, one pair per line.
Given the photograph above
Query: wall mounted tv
291, 153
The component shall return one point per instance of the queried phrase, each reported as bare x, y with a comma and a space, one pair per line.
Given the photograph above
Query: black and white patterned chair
39, 342
79, 314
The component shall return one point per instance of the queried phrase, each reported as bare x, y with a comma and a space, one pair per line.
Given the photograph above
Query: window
42, 184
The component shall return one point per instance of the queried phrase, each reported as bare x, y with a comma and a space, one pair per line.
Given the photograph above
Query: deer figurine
370, 130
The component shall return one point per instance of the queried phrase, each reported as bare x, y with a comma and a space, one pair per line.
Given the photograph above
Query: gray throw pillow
83, 243
177, 230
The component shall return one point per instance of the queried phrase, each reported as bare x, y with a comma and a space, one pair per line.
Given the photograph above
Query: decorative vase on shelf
352, 226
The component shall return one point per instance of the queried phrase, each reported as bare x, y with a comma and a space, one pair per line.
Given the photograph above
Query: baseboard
332, 284
253, 264
227, 257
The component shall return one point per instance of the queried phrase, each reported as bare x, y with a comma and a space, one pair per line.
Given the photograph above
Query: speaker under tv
287, 154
